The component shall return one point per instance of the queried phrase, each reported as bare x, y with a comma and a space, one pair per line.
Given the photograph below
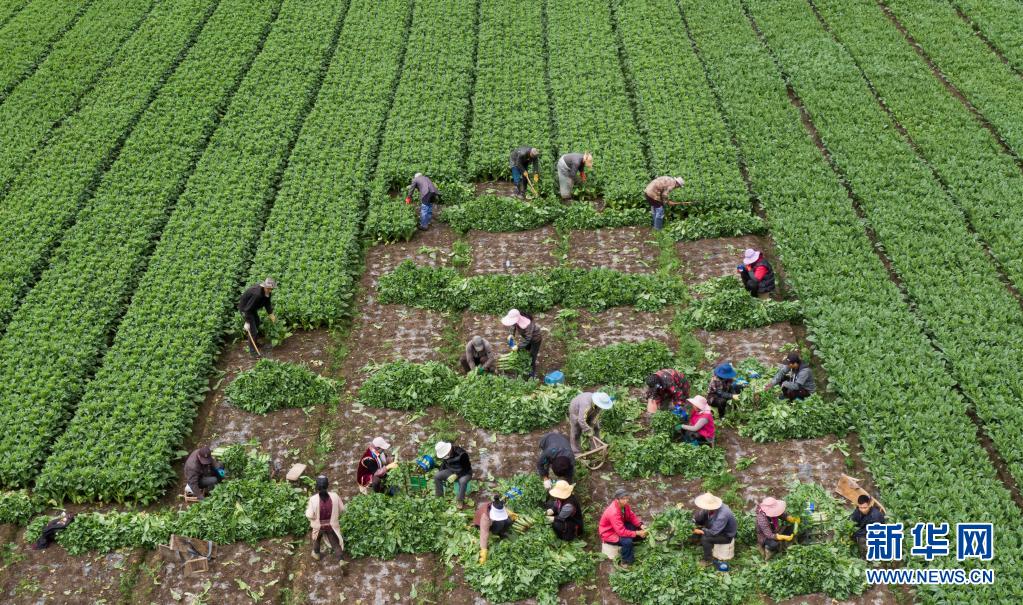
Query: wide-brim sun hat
750, 256
700, 403
511, 318
443, 448
562, 489
602, 400
772, 507
708, 501
725, 371
269, 283
380, 443
681, 181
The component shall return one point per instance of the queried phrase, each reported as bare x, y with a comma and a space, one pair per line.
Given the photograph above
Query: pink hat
700, 403
750, 256
514, 318
380, 443
772, 507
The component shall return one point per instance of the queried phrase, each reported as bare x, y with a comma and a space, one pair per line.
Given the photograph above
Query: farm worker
715, 524
570, 165
253, 299
795, 378
657, 192
202, 472
525, 334
427, 197
756, 273
723, 389
620, 526
492, 518
584, 416
556, 459
866, 513
323, 510
665, 389
454, 463
522, 158
701, 429
373, 466
51, 529
769, 536
564, 512
478, 356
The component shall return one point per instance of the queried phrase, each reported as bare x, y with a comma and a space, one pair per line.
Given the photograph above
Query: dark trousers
517, 178
708, 541
792, 394
771, 544
861, 541
326, 533
627, 545
206, 484
500, 528
442, 477
479, 361
253, 320
567, 529
377, 484
721, 405
694, 437
534, 352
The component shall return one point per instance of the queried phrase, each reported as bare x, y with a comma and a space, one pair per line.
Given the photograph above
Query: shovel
530, 183
253, 341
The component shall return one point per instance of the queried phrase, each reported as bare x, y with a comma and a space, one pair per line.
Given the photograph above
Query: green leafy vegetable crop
274, 385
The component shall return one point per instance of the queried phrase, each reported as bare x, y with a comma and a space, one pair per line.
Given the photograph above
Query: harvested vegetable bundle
273, 385
403, 385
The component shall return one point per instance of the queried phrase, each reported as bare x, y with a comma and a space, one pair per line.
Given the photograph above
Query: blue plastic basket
555, 377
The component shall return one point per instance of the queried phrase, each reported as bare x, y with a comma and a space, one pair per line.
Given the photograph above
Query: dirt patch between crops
708, 258
502, 188
625, 324
430, 248
765, 344
625, 249
512, 253
366, 581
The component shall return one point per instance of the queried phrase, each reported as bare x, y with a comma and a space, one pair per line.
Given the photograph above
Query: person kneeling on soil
525, 334
795, 378
657, 192
665, 389
427, 198
454, 466
373, 466
564, 512
715, 524
323, 511
492, 518
701, 431
522, 158
584, 416
866, 513
769, 536
202, 473
478, 356
756, 273
621, 527
556, 459
570, 165
723, 389
253, 299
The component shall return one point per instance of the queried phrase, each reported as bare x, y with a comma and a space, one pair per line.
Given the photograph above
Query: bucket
555, 377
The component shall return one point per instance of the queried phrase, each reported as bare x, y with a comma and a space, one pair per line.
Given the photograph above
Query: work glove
792, 519
583, 176
515, 347
273, 318
536, 178
452, 478
408, 200
547, 484
483, 555
514, 516
248, 328
549, 517
783, 537
391, 466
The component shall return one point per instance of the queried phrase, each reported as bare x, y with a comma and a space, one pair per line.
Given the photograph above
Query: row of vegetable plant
311, 243
10, 8
58, 335
723, 303
975, 319
967, 62
26, 39
1001, 22
74, 64
141, 403
856, 317
51, 189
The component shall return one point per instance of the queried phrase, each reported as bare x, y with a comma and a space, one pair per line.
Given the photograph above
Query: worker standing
657, 192
621, 527
373, 466
564, 512
522, 159
795, 378
492, 518
867, 512
584, 416
454, 462
253, 299
525, 334
427, 197
478, 356
701, 429
665, 389
715, 524
571, 166
769, 534
756, 273
323, 510
556, 458
722, 389
202, 472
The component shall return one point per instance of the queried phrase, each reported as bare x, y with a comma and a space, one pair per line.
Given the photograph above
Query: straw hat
602, 400
443, 448
514, 318
699, 402
708, 501
562, 489
772, 507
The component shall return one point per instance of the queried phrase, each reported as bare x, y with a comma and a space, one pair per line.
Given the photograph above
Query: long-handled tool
253, 341
529, 182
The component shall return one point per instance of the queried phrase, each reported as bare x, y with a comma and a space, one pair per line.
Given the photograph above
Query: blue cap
725, 371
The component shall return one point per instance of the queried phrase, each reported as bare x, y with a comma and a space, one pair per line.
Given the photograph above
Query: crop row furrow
976, 321
1000, 22
683, 129
71, 68
46, 196
57, 337
10, 8
135, 412
311, 242
856, 318
963, 58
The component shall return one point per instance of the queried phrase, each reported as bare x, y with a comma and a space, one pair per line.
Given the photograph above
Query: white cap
443, 448
380, 443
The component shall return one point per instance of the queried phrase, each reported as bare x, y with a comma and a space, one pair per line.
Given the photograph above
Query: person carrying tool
373, 466
769, 535
454, 464
621, 527
522, 158
756, 273
701, 429
556, 458
867, 512
564, 512
478, 356
202, 473
722, 389
253, 299
323, 510
584, 416
427, 198
715, 524
665, 389
570, 165
657, 192
795, 378
525, 334
492, 518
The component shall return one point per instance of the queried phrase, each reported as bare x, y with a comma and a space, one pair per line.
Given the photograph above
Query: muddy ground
625, 249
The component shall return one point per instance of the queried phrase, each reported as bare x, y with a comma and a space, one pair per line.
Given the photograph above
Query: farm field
158, 158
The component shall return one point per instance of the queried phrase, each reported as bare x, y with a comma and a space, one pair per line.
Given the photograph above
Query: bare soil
765, 344
503, 188
625, 325
389, 332
625, 249
430, 248
709, 258
366, 581
512, 253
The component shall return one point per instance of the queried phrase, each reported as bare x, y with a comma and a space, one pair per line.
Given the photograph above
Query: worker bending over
621, 527
564, 512
715, 524
584, 416
522, 159
769, 534
525, 334
478, 356
556, 459
253, 299
202, 473
795, 378
665, 389
374, 466
427, 198
572, 170
722, 389
756, 273
657, 192
492, 518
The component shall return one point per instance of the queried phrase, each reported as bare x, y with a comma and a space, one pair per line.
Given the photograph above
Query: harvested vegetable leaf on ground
664, 422
274, 385
830, 518
780, 419
671, 577
376, 525
402, 385
724, 304
515, 363
533, 495
659, 455
18, 507
509, 405
623, 417
624, 364
806, 569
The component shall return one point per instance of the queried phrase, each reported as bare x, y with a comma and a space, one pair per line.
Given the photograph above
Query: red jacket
612, 523
759, 269
370, 466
